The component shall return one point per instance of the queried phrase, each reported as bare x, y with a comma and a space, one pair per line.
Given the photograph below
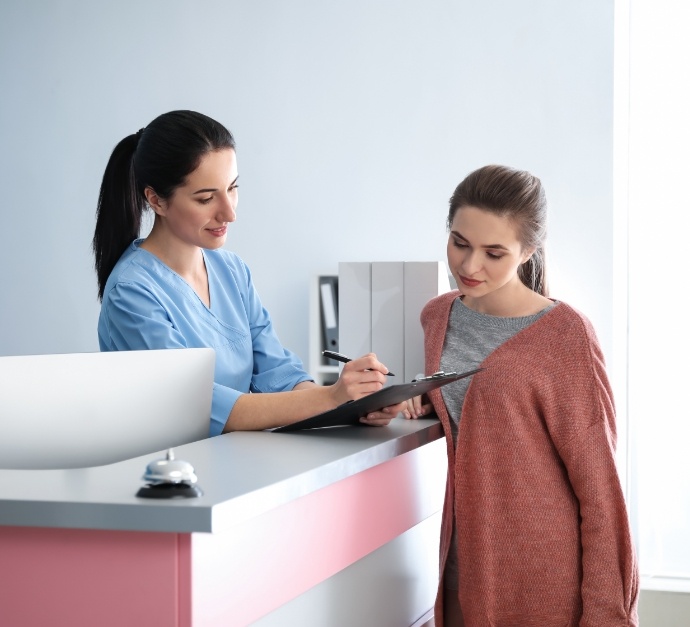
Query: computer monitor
89, 409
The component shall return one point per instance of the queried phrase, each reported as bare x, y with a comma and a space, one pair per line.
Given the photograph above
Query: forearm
255, 412
359, 378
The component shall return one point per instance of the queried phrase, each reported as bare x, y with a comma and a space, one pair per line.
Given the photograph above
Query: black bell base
169, 491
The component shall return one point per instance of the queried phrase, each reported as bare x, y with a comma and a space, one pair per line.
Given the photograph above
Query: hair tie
139, 132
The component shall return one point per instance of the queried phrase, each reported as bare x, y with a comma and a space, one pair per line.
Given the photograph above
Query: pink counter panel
290, 559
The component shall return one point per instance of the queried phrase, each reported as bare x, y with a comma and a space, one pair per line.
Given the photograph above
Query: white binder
379, 306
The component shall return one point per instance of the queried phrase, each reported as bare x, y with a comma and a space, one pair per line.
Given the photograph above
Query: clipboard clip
437, 375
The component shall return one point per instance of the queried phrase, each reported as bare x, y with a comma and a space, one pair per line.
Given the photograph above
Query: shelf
322, 373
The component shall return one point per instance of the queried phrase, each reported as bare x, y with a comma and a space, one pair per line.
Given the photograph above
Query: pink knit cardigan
543, 532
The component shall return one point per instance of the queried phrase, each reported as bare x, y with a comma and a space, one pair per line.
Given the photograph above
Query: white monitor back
89, 409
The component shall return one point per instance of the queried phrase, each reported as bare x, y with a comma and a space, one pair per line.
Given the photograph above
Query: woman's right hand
359, 377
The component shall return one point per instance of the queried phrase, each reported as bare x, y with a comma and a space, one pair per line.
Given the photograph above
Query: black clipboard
349, 413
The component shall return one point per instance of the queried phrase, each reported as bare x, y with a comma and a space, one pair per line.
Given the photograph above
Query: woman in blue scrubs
179, 288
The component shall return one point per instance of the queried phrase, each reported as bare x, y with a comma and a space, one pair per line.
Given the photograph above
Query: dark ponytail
519, 196
120, 207
160, 156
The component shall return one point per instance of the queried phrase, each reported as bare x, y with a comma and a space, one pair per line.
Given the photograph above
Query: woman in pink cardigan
535, 530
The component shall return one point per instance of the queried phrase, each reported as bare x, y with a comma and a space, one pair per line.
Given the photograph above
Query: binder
328, 299
350, 413
354, 307
379, 305
387, 315
423, 281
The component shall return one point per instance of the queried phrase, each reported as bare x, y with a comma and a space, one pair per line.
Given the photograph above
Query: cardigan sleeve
609, 567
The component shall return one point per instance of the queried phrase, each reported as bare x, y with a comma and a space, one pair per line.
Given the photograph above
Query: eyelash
488, 253
205, 201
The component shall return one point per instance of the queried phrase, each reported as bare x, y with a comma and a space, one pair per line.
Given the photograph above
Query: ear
527, 254
156, 203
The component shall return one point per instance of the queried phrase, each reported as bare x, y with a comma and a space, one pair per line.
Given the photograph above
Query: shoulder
439, 306
563, 338
567, 321
134, 266
567, 361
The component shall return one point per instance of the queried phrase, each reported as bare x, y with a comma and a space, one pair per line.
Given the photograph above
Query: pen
343, 359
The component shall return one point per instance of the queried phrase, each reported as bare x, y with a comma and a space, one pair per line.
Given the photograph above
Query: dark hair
519, 196
160, 156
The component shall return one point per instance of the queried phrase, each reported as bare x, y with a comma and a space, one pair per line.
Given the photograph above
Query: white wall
354, 123
657, 226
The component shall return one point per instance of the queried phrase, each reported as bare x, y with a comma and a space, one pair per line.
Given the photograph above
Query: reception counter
328, 527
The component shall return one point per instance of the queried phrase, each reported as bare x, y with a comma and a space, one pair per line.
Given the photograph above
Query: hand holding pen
361, 377
343, 359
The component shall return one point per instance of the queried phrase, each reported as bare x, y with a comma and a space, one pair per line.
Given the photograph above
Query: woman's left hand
416, 408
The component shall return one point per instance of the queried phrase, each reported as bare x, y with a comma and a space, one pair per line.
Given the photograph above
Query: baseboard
658, 608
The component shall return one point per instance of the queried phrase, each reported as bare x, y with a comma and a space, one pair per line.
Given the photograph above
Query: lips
469, 282
219, 232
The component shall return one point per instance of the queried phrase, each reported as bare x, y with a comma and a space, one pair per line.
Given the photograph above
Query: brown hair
519, 196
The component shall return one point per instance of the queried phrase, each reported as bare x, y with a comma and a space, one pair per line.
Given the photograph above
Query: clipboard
349, 413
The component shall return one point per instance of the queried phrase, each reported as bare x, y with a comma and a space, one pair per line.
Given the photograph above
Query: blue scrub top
146, 305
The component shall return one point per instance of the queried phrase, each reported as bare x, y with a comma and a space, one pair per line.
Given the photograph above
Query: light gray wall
354, 121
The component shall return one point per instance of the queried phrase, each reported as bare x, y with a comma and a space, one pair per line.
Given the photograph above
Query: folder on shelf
350, 413
328, 299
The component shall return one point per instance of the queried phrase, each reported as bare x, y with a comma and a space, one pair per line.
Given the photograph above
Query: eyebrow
206, 190
493, 246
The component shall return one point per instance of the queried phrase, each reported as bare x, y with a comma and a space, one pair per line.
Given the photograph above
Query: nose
471, 263
227, 210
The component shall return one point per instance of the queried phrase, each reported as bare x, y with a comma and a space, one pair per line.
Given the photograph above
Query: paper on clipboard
350, 413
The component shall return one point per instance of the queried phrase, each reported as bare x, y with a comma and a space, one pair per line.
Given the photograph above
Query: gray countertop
242, 475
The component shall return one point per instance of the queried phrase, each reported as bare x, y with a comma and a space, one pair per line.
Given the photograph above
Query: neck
513, 300
186, 260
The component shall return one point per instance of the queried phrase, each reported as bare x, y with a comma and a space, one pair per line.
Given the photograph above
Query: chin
215, 243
